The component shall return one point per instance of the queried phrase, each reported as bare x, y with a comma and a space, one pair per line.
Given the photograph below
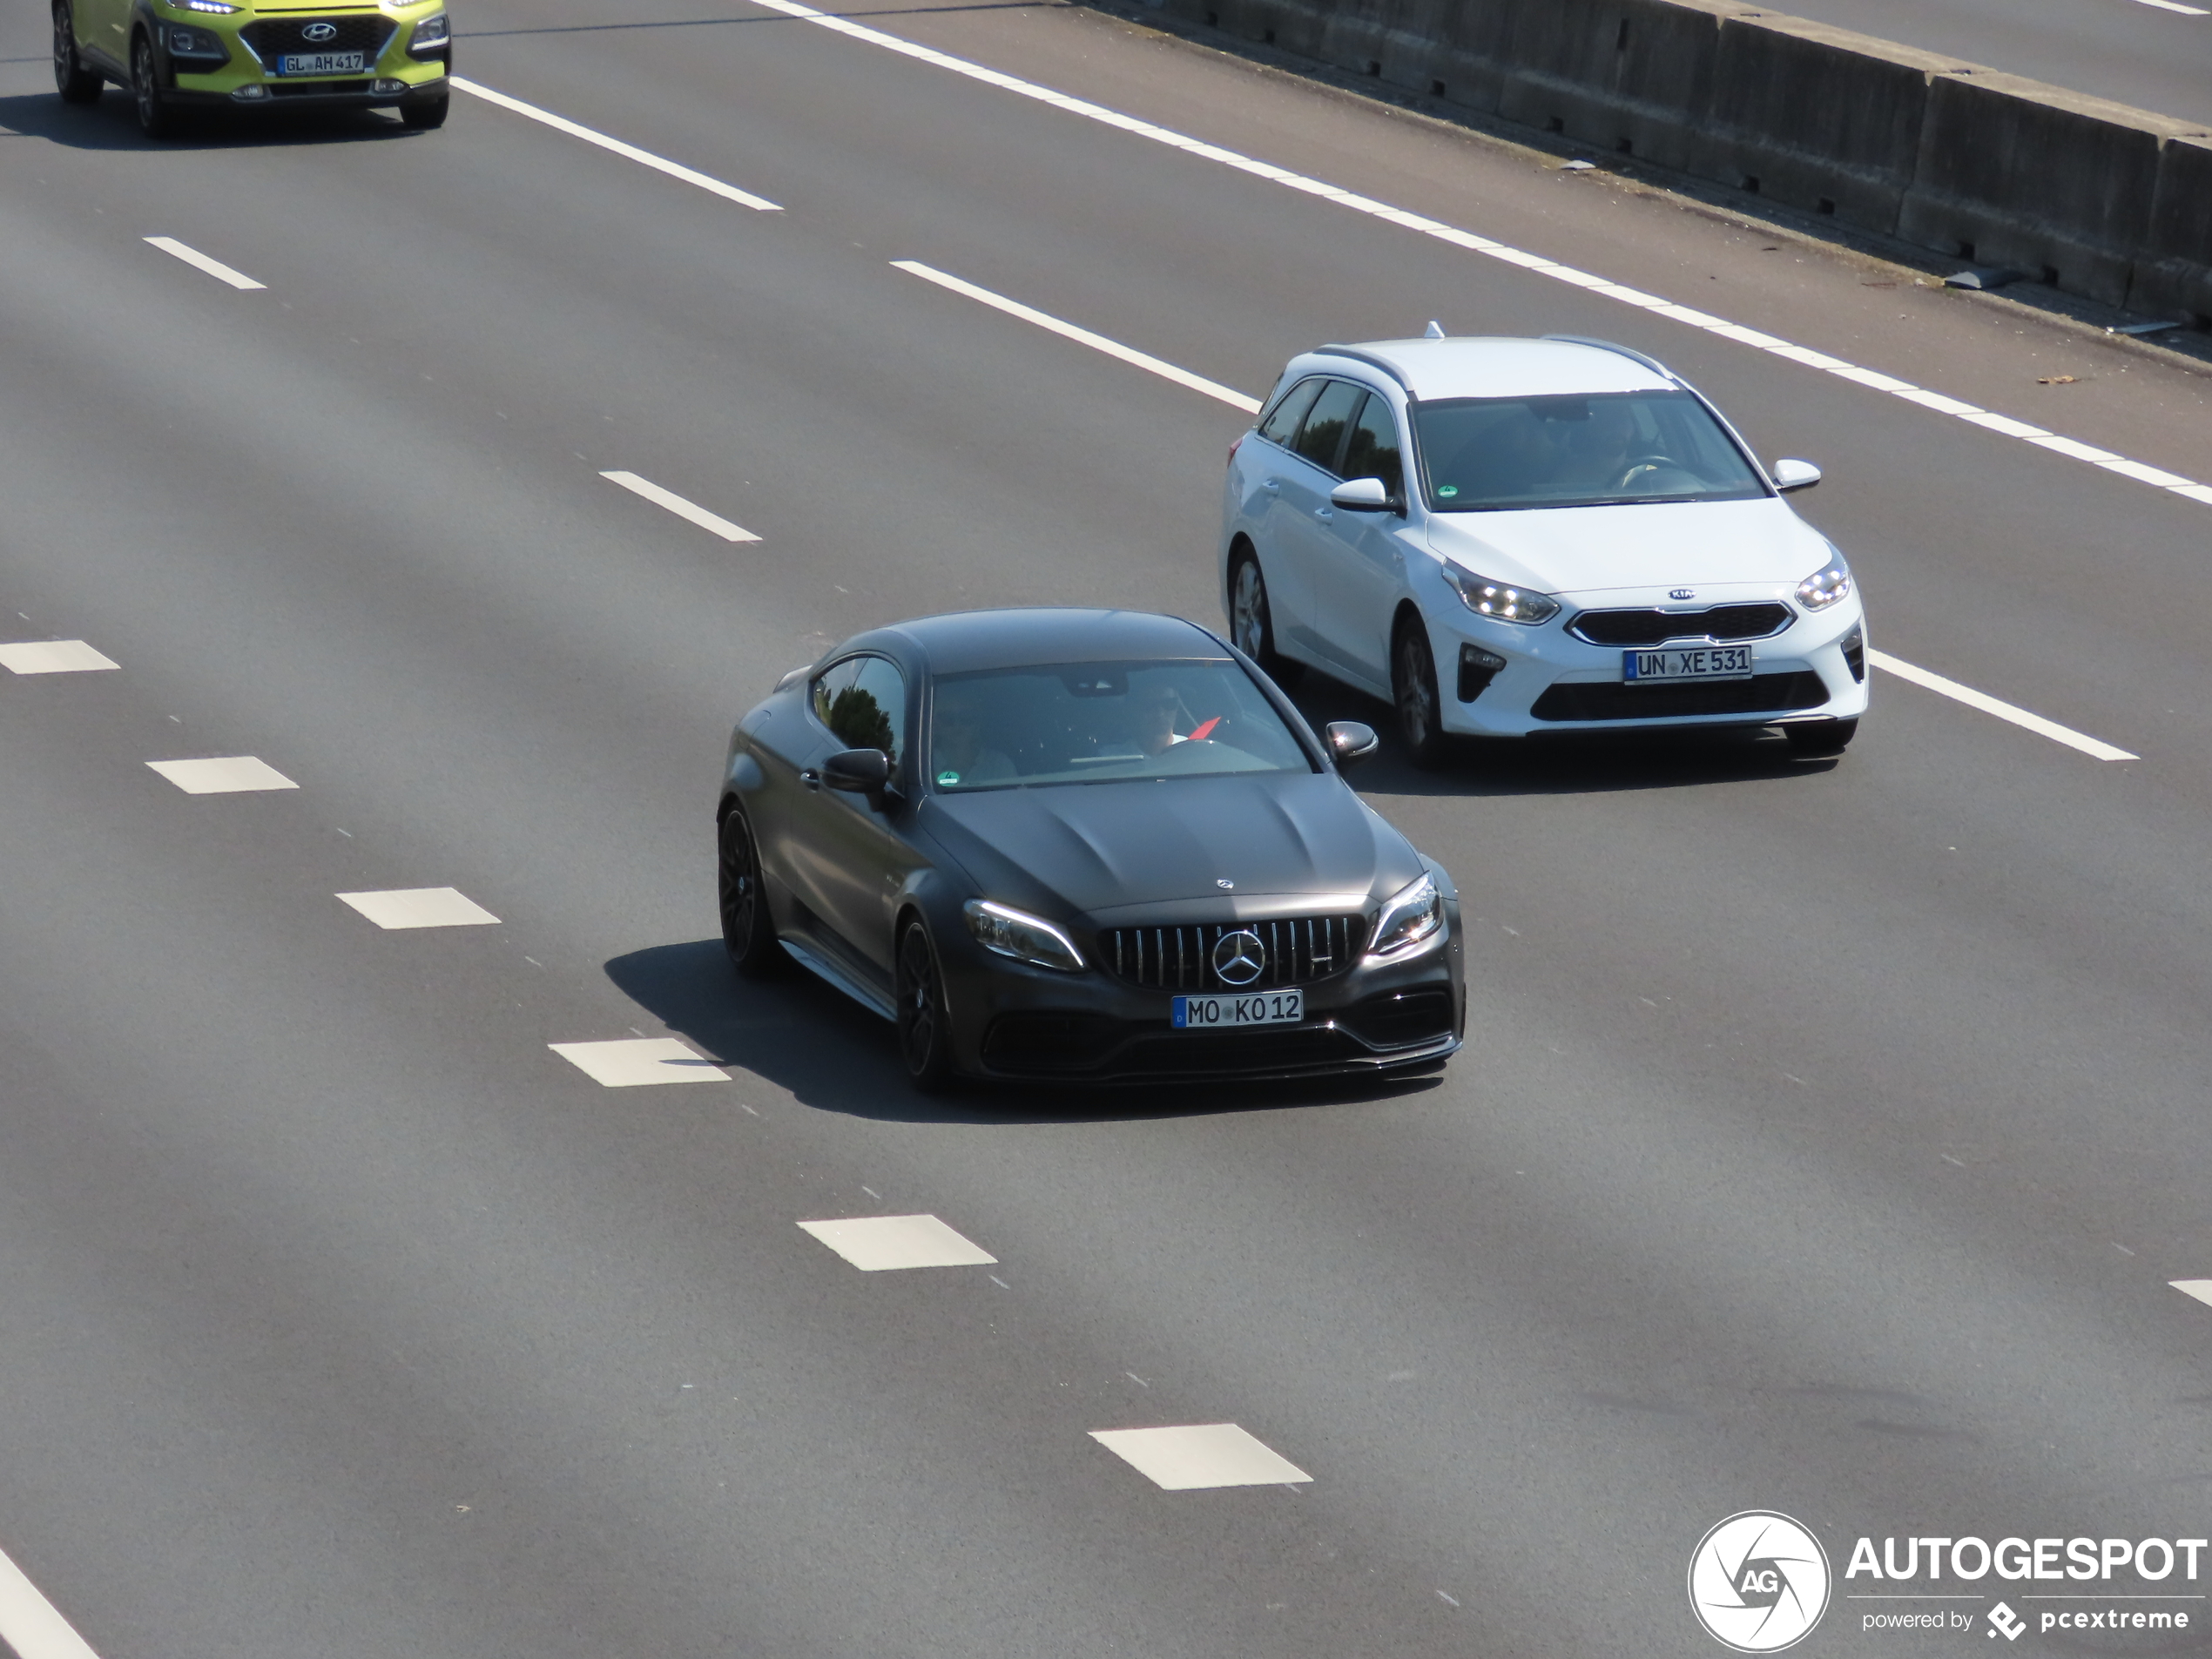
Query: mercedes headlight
1826, 585
1025, 938
1415, 913
1497, 600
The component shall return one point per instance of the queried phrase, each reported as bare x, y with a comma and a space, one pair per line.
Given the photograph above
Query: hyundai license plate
1259, 1007
1689, 662
322, 63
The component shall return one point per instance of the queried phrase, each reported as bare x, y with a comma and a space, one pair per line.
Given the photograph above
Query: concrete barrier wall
2097, 198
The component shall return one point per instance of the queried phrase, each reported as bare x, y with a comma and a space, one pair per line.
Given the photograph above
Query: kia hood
1590, 550
1107, 848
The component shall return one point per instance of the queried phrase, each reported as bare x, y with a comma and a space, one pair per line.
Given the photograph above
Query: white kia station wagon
1506, 537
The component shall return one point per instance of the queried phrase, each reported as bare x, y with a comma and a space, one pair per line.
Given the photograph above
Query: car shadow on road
1567, 764
830, 1054
110, 124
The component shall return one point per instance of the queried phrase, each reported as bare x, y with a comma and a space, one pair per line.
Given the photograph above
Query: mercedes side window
830, 684
872, 714
1322, 435
1281, 425
1373, 452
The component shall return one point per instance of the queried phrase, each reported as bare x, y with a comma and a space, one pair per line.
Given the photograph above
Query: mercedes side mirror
1349, 741
859, 771
1365, 495
1795, 474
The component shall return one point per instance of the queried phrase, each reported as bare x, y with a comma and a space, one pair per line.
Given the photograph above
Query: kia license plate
322, 63
1258, 1008
1688, 662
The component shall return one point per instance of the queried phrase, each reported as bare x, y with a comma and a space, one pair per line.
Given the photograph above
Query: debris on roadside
2057, 380
2143, 328
1983, 277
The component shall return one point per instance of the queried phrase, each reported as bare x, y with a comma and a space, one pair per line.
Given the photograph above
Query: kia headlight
1024, 937
1499, 601
1415, 913
1826, 585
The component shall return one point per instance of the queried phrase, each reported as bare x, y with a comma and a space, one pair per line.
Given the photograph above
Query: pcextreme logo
1759, 1582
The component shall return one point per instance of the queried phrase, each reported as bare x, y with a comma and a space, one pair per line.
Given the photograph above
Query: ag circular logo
1759, 1582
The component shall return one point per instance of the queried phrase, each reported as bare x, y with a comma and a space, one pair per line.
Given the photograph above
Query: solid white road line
1988, 705
676, 504
643, 158
29, 1622
876, 1243
1534, 262
52, 657
421, 908
226, 775
1201, 1455
193, 257
1213, 389
628, 1063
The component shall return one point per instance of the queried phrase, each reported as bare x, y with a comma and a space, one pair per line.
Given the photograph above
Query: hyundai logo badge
320, 32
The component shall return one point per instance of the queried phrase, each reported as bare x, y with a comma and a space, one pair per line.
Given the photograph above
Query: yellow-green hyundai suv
172, 55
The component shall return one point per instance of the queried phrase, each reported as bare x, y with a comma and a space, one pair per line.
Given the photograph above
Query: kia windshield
1497, 454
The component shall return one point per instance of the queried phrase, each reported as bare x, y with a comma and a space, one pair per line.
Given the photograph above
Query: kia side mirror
1795, 474
859, 771
1364, 496
1349, 741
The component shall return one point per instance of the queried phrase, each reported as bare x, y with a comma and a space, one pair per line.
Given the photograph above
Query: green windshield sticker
949, 779
1448, 489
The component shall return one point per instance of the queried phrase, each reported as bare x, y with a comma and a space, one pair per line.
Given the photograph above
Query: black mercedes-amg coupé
1082, 846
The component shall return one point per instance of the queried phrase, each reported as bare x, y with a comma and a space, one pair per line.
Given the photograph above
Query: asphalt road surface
1828, 1137
2152, 54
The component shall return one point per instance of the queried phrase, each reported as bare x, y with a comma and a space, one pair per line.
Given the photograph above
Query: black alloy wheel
1251, 621
76, 83
748, 934
1412, 681
1821, 739
423, 111
924, 1043
156, 119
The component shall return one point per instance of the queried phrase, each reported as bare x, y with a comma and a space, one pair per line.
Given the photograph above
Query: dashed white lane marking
629, 151
229, 774
629, 1062
194, 258
2003, 710
1206, 1454
52, 657
1536, 263
2199, 1288
874, 1243
2175, 5
1097, 342
29, 1622
420, 908
676, 504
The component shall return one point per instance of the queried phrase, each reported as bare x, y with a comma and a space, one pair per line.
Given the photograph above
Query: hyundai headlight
1826, 585
217, 7
1415, 913
1499, 601
431, 31
1025, 938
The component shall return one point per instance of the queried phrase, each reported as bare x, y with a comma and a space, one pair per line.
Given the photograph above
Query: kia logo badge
1682, 593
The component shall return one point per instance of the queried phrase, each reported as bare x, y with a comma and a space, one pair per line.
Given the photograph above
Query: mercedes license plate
1259, 1007
322, 63
1689, 662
